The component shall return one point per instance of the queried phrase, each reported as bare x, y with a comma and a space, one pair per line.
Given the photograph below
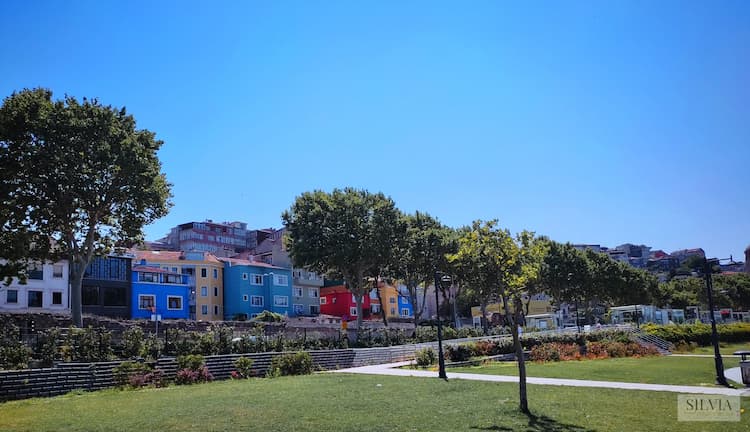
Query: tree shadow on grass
539, 424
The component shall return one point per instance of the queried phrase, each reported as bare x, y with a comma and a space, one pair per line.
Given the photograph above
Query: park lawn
724, 348
344, 402
649, 370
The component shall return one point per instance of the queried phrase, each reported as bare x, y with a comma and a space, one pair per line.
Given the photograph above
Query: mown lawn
724, 348
341, 402
651, 370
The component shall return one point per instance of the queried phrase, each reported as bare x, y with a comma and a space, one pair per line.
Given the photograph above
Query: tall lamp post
440, 278
718, 362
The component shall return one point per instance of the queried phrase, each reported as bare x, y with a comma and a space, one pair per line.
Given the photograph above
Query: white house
45, 290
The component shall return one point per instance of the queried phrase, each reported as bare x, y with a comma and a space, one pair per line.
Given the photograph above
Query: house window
298, 309
297, 292
392, 300
314, 310
216, 273
354, 299
353, 311
203, 272
57, 271
314, 292
174, 270
280, 301
375, 308
333, 300
12, 296
216, 291
393, 311
323, 300
404, 312
216, 309
244, 276
174, 303
148, 277
146, 302
56, 298
204, 310
374, 294
257, 279
281, 280
113, 296
245, 297
204, 291
35, 272
173, 279
256, 300
90, 295
35, 299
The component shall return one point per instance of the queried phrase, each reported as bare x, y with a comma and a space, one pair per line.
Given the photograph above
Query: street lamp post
718, 362
440, 278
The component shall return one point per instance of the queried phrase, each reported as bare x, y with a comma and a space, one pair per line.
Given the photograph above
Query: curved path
392, 369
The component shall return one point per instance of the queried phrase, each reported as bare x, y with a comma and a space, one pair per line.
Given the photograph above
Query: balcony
307, 279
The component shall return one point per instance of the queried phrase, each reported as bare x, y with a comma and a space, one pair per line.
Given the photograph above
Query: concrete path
392, 370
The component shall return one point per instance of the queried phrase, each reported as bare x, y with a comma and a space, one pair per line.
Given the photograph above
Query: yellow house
206, 279
394, 304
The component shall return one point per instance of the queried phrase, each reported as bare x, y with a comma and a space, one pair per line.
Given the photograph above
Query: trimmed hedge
699, 333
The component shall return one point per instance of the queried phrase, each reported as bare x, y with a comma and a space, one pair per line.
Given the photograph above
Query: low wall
66, 377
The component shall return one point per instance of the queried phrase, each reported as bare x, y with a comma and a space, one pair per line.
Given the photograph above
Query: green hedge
699, 333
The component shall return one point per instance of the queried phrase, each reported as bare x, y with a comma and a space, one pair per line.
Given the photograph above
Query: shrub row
699, 333
556, 351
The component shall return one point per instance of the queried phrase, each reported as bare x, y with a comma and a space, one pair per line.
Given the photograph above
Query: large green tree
78, 179
502, 267
420, 249
346, 233
565, 274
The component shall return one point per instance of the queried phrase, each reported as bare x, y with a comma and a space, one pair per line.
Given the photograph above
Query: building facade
253, 287
107, 286
161, 292
45, 290
205, 279
220, 239
337, 300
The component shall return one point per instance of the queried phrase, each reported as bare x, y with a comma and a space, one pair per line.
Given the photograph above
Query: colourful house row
337, 300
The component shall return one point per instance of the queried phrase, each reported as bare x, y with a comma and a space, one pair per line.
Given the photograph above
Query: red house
338, 301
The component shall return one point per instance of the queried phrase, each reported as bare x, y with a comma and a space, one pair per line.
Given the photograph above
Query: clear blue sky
597, 122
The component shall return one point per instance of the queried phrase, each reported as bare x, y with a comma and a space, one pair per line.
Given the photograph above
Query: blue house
405, 308
159, 291
252, 287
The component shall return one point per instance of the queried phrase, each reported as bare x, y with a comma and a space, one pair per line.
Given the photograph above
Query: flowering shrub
555, 352
190, 376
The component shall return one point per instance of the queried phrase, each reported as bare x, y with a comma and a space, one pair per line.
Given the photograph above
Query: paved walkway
392, 369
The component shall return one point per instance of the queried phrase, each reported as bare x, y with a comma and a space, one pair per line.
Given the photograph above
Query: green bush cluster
14, 354
136, 374
268, 316
192, 369
87, 345
215, 340
699, 333
425, 357
556, 351
299, 363
244, 368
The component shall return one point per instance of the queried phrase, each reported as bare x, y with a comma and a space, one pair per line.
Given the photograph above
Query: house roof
157, 256
336, 289
237, 261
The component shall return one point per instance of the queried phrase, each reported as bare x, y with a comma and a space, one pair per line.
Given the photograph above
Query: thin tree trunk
75, 282
380, 299
483, 320
516, 318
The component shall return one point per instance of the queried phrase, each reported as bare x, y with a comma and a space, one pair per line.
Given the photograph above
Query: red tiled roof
335, 289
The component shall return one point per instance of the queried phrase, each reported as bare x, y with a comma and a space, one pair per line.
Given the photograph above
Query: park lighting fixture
441, 280
708, 265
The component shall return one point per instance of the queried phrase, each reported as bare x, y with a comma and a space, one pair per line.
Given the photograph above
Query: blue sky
596, 122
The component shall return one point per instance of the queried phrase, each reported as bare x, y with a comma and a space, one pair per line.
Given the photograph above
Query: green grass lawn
724, 348
651, 370
341, 402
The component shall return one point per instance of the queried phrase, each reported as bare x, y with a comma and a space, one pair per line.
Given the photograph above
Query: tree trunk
456, 320
75, 281
523, 401
382, 305
483, 320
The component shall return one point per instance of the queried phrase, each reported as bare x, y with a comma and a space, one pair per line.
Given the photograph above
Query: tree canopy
78, 179
346, 233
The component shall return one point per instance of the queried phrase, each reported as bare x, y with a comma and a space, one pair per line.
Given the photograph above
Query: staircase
645, 339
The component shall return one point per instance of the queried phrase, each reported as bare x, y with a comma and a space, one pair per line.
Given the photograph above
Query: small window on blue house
174, 303
146, 302
404, 312
256, 300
